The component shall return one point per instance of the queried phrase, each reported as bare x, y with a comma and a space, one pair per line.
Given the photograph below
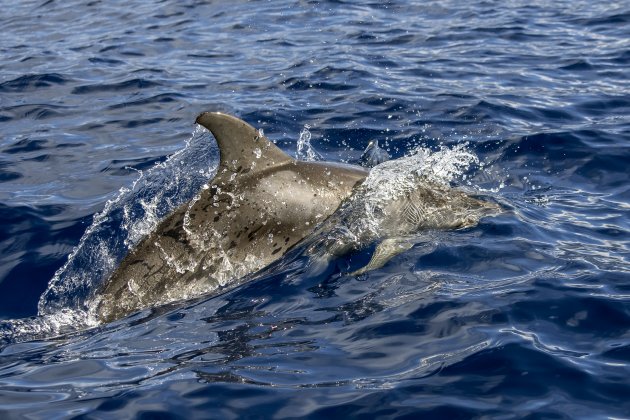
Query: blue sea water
526, 315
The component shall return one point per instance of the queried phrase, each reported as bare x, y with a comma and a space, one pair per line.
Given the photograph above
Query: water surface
525, 314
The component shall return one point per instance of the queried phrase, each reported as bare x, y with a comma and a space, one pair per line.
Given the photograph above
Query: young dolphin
260, 203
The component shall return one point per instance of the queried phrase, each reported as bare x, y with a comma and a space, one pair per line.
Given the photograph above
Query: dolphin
260, 204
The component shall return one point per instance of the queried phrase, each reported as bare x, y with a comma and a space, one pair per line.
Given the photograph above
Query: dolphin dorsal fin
241, 146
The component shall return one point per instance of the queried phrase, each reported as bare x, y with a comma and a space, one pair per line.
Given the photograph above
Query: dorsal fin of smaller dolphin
373, 155
242, 148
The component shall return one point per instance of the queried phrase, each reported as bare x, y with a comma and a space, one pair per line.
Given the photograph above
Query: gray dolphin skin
261, 203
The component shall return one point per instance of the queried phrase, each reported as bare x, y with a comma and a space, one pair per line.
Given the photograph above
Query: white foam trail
137, 210
46, 326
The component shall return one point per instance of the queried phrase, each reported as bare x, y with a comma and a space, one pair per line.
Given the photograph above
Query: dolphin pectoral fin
241, 146
385, 251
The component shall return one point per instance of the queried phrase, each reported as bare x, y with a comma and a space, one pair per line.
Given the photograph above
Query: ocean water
526, 315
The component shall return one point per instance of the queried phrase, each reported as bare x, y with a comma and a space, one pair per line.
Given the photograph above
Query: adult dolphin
262, 202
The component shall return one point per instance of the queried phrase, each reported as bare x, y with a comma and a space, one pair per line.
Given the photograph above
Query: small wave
34, 111
108, 61
9, 175
604, 105
127, 85
579, 65
32, 82
610, 21
26, 145
160, 98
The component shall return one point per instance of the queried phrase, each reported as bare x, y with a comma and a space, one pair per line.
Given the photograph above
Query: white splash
136, 210
392, 179
48, 325
305, 150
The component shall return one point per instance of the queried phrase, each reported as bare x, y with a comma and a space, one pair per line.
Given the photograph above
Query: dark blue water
524, 315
